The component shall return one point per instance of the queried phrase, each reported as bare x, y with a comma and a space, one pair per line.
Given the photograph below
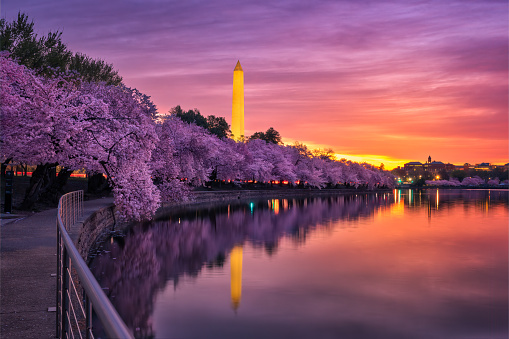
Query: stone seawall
215, 196
206, 198
95, 229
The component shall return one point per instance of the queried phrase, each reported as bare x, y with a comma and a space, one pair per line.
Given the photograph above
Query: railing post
59, 281
71, 209
88, 316
74, 205
64, 213
65, 294
67, 214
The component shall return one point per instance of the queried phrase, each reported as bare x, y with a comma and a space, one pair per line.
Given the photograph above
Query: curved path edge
28, 266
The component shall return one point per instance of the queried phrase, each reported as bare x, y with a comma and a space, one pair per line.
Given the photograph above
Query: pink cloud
394, 78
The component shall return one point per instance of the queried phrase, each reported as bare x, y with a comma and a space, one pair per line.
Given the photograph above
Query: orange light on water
275, 205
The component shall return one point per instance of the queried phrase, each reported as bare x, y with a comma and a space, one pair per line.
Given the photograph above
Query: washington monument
238, 103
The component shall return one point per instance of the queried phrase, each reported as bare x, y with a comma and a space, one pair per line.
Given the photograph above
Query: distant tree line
218, 126
215, 125
420, 177
271, 136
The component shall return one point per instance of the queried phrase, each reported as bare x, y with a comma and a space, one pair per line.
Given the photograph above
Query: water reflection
236, 276
437, 201
134, 268
365, 281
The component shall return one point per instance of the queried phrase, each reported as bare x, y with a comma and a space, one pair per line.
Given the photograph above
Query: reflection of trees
442, 200
135, 267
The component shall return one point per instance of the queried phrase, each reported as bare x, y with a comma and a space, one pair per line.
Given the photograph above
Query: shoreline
206, 198
505, 187
209, 198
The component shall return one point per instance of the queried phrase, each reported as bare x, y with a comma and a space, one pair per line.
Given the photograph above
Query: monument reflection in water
406, 264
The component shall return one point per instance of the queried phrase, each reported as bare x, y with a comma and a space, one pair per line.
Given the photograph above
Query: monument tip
238, 67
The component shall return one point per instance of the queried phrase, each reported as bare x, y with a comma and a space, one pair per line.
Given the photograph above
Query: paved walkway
28, 248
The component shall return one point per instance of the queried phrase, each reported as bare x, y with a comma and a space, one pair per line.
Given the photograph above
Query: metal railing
79, 295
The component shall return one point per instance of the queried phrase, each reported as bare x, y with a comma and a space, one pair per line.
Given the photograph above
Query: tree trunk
45, 185
39, 182
97, 183
56, 186
4, 166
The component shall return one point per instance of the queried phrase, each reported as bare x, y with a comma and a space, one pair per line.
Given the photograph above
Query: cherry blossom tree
306, 167
332, 172
185, 155
118, 140
167, 173
37, 115
472, 181
494, 182
283, 168
50, 121
228, 164
259, 168
453, 182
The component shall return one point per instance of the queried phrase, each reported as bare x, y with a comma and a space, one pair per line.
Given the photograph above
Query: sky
377, 81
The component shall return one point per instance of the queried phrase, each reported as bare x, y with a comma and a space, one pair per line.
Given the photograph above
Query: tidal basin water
404, 264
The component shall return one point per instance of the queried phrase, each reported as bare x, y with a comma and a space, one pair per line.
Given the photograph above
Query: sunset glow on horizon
382, 82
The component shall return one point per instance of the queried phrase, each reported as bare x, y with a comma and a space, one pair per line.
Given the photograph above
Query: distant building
485, 166
434, 166
413, 166
418, 168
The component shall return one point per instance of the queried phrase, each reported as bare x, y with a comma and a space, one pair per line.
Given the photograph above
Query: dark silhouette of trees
48, 55
94, 70
324, 154
215, 125
192, 116
271, 135
218, 126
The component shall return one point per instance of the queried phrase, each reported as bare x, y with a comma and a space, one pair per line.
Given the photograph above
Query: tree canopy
215, 125
101, 128
270, 135
48, 55
46, 76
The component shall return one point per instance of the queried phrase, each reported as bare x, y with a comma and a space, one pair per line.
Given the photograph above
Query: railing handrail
108, 315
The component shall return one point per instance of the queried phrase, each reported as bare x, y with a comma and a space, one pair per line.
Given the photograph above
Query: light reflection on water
405, 264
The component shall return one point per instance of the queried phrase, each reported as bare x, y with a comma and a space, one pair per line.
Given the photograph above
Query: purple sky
384, 81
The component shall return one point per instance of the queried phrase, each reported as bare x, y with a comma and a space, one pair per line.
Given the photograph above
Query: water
405, 264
